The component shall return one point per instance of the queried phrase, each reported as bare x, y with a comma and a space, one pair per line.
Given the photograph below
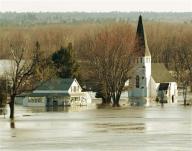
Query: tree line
163, 37
43, 18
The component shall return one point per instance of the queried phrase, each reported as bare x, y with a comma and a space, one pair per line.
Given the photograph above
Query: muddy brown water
167, 128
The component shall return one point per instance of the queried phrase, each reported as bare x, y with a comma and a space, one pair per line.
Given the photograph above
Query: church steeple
141, 45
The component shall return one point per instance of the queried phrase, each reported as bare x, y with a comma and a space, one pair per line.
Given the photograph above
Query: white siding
172, 92
32, 101
153, 89
75, 87
88, 98
143, 70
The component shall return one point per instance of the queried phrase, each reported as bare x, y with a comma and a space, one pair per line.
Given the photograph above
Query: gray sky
96, 5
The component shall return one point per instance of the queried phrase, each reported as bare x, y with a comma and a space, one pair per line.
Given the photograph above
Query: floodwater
154, 128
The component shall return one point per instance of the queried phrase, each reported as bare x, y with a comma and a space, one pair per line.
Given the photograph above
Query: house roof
56, 84
160, 74
42, 94
47, 94
141, 46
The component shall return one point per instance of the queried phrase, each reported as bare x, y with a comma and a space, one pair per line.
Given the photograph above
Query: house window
141, 60
137, 81
74, 88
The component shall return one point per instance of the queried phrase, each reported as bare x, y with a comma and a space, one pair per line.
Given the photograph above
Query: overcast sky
96, 5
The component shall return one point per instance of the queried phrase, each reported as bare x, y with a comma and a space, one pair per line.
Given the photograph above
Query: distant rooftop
5, 66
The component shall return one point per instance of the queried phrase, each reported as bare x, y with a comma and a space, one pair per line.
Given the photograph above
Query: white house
150, 81
56, 92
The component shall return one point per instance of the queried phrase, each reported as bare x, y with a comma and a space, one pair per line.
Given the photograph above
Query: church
149, 81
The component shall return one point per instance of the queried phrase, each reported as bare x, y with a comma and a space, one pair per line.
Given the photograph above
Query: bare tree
22, 68
183, 64
110, 54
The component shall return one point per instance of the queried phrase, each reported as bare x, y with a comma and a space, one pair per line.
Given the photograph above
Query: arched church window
137, 81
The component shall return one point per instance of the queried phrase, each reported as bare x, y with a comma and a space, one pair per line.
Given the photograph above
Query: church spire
142, 46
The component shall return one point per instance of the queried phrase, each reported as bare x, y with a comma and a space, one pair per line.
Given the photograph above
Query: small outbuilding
163, 84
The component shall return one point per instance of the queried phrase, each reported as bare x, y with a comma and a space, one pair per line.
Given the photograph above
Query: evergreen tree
64, 61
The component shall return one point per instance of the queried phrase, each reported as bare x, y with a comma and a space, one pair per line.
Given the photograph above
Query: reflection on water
48, 109
12, 123
139, 101
81, 128
120, 127
57, 109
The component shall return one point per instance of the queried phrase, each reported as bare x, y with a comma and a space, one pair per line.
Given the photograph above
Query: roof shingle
141, 46
56, 84
160, 73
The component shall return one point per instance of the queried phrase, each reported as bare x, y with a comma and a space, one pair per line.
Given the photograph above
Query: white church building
149, 81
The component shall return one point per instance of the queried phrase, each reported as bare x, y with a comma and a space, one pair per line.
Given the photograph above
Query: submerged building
55, 92
151, 81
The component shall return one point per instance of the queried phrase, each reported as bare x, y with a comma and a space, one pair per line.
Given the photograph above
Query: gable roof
160, 74
56, 84
141, 45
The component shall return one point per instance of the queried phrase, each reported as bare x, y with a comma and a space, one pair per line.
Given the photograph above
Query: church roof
160, 74
141, 46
